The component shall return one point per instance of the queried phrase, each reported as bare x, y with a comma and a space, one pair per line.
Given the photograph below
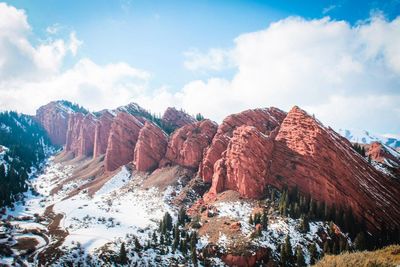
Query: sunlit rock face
122, 141
150, 147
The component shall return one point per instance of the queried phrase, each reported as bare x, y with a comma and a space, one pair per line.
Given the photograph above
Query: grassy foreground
388, 256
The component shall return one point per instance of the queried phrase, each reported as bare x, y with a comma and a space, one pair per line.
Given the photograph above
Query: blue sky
153, 35
337, 59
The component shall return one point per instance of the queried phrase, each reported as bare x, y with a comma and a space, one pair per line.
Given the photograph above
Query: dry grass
386, 257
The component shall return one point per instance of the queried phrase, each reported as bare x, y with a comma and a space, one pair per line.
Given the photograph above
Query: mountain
366, 137
264, 187
24, 145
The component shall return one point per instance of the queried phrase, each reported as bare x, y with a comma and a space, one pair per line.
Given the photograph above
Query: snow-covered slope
366, 137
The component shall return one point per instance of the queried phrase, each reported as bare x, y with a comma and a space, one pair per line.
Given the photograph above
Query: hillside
264, 187
24, 146
388, 256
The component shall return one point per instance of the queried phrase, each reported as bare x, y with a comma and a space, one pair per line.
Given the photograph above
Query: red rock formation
385, 155
246, 260
122, 140
265, 120
380, 153
102, 132
86, 135
150, 147
54, 119
245, 164
176, 118
315, 159
74, 128
187, 144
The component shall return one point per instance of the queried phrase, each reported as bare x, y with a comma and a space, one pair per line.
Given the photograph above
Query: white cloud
214, 59
31, 76
19, 59
329, 9
347, 75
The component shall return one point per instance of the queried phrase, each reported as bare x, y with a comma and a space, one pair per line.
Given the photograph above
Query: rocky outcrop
54, 119
386, 156
248, 259
245, 163
102, 132
86, 136
312, 157
80, 134
122, 140
174, 118
188, 143
150, 147
74, 128
264, 120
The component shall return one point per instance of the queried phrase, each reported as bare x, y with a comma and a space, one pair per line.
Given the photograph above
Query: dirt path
52, 252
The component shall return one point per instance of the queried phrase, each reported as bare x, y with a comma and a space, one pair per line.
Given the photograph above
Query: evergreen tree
123, 258
284, 256
304, 224
138, 247
251, 222
264, 220
313, 254
288, 249
327, 248
360, 242
182, 216
300, 262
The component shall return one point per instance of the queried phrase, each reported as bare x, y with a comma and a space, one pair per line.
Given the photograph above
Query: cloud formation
347, 75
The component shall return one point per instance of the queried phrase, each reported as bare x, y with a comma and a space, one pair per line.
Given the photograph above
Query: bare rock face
86, 135
54, 119
188, 143
102, 132
74, 129
174, 118
122, 140
265, 120
304, 153
245, 164
386, 156
150, 147
80, 134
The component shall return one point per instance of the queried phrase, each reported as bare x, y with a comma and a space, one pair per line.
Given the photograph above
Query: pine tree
360, 242
123, 258
251, 222
264, 220
138, 247
313, 254
284, 256
327, 248
182, 216
183, 247
300, 257
304, 224
288, 249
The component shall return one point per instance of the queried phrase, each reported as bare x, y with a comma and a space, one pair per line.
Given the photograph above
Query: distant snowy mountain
365, 137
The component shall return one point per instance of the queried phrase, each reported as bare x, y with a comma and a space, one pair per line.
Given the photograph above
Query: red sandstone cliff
74, 128
174, 118
385, 155
188, 143
265, 120
316, 159
150, 147
122, 140
102, 132
54, 119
